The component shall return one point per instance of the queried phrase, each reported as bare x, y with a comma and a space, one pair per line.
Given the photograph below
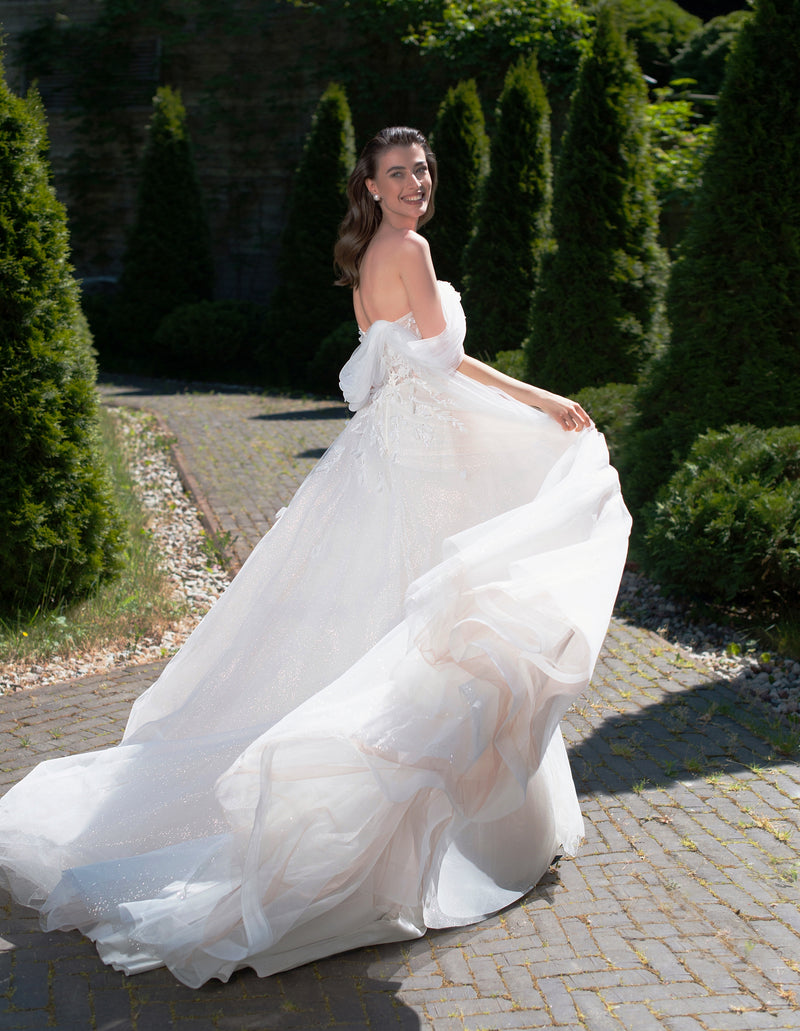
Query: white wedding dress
361, 739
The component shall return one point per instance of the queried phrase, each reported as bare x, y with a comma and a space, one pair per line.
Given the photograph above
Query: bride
361, 739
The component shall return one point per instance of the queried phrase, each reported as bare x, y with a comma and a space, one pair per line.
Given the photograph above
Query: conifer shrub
461, 146
167, 261
513, 222
726, 526
597, 313
658, 30
734, 296
61, 535
306, 306
211, 340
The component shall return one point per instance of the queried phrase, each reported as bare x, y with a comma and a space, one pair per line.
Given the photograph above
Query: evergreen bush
61, 534
168, 260
658, 30
597, 313
734, 296
306, 306
211, 340
461, 146
726, 527
513, 223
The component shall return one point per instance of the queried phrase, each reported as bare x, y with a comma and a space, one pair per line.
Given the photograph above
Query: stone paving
680, 912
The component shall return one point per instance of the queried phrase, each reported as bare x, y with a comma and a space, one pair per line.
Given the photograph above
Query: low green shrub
512, 363
211, 340
726, 526
323, 369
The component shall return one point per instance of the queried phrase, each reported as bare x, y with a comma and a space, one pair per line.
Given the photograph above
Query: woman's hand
568, 414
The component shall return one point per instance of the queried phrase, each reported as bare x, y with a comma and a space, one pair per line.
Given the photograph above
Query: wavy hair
364, 215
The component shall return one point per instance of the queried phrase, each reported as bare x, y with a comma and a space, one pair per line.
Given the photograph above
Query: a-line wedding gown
361, 739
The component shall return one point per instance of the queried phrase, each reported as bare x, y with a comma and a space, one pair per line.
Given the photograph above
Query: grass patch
137, 604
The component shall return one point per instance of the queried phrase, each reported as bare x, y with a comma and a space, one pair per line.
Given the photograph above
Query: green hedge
212, 340
726, 527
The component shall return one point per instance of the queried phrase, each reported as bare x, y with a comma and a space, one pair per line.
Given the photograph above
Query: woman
361, 739
388, 264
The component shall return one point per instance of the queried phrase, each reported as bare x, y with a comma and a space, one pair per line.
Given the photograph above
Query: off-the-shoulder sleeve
366, 368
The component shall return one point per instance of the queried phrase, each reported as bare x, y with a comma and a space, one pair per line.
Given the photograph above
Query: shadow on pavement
693, 733
57, 980
299, 414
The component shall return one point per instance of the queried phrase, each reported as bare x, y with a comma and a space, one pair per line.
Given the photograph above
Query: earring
375, 197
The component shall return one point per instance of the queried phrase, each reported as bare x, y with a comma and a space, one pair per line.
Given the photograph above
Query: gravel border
756, 674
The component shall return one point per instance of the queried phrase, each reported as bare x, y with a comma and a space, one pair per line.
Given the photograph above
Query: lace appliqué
406, 409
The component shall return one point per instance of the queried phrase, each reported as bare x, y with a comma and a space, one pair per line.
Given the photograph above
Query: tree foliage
306, 306
596, 313
513, 223
167, 262
476, 35
734, 295
462, 152
704, 56
679, 143
658, 30
61, 533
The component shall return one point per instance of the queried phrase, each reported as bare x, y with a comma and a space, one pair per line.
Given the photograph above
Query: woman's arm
567, 413
419, 280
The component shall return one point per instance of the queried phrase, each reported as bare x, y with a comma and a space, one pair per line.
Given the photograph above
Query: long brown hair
364, 215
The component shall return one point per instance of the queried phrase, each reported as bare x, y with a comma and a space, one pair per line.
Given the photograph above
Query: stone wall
250, 84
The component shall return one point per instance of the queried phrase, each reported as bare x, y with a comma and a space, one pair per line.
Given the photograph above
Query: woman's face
403, 183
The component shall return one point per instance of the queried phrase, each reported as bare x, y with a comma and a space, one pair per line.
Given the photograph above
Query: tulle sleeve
366, 369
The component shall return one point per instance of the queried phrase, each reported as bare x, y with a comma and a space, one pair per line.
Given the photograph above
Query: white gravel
756, 674
196, 577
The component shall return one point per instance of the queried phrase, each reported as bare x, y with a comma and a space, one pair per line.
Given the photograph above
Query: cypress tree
461, 146
597, 312
61, 533
513, 223
734, 296
168, 259
306, 306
